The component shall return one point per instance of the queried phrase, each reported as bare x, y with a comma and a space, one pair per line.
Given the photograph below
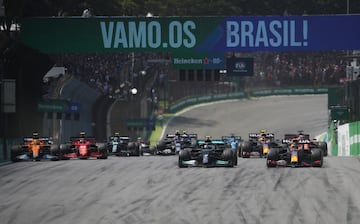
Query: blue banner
285, 33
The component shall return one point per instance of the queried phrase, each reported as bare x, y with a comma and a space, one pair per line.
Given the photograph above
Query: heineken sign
191, 34
199, 61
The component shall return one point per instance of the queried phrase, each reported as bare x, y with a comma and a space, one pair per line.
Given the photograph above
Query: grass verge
159, 126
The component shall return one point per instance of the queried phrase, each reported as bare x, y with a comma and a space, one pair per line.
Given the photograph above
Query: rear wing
303, 141
237, 137
254, 135
75, 139
42, 139
118, 138
213, 142
194, 136
170, 135
291, 136
257, 135
228, 139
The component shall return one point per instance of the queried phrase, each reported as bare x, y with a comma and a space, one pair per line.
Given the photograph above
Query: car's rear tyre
153, 150
246, 148
64, 149
324, 148
228, 155
54, 152
272, 157
235, 158
104, 154
317, 155
15, 151
184, 155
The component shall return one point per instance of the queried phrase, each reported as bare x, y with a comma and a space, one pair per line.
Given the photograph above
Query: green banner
52, 105
140, 122
288, 91
354, 132
116, 34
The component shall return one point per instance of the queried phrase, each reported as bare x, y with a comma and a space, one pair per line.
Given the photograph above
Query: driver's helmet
82, 134
208, 139
300, 133
294, 142
35, 135
292, 146
301, 137
82, 137
35, 139
177, 133
117, 134
262, 135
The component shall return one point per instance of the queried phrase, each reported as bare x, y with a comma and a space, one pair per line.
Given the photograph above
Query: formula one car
258, 144
208, 153
82, 147
173, 143
233, 142
295, 153
167, 146
144, 147
33, 148
123, 146
301, 135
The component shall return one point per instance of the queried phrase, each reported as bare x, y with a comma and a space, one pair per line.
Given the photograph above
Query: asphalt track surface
152, 189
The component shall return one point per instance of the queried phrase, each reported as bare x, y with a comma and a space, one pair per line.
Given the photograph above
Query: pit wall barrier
348, 139
189, 101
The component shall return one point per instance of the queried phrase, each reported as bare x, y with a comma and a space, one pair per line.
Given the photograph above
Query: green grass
159, 126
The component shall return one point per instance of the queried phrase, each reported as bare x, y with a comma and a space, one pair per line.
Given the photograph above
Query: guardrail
189, 101
342, 141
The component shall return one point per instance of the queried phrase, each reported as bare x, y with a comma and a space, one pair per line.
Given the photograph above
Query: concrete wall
78, 92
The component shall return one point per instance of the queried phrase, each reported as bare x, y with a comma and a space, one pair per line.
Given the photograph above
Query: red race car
83, 147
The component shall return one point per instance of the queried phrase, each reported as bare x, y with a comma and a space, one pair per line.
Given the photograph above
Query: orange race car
33, 148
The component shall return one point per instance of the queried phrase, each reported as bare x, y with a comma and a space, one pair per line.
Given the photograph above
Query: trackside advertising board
182, 103
191, 34
240, 66
349, 139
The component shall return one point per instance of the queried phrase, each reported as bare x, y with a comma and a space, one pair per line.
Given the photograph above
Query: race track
152, 189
